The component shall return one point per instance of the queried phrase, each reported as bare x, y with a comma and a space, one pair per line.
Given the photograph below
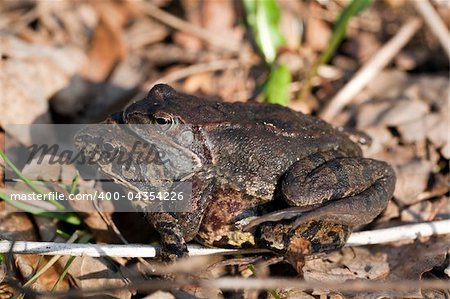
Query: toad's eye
163, 120
107, 146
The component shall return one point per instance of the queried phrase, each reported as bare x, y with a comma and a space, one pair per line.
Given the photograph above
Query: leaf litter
81, 61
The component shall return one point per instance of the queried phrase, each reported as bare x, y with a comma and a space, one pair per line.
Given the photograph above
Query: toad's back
253, 144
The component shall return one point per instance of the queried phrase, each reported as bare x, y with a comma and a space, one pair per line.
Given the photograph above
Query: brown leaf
144, 32
219, 17
190, 42
318, 32
418, 212
31, 74
404, 112
15, 225
437, 131
106, 51
107, 45
349, 263
2, 163
411, 261
412, 179
89, 273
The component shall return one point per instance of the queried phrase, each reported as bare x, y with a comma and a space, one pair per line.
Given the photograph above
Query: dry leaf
411, 261
107, 44
15, 225
2, 162
412, 179
90, 273
31, 74
318, 32
349, 263
418, 212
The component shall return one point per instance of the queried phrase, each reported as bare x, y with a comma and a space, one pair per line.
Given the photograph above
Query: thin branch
194, 69
436, 24
406, 232
398, 233
371, 69
229, 44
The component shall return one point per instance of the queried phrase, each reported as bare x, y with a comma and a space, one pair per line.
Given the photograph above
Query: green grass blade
264, 17
271, 291
339, 32
74, 185
277, 86
67, 217
83, 239
340, 29
47, 266
28, 182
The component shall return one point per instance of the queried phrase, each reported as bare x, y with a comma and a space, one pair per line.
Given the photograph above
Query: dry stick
371, 69
194, 69
229, 44
406, 232
433, 20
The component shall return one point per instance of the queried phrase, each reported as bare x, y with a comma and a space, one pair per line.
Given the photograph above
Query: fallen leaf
403, 112
89, 273
15, 225
418, 212
31, 74
349, 263
411, 261
318, 32
2, 163
144, 32
412, 179
437, 131
192, 12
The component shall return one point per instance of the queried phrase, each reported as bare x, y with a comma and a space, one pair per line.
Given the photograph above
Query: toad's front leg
173, 244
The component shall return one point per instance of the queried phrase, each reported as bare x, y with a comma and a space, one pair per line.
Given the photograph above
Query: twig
194, 69
435, 22
406, 232
229, 44
371, 69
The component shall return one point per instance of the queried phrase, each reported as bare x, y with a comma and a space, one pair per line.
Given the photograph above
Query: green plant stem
83, 239
28, 182
339, 33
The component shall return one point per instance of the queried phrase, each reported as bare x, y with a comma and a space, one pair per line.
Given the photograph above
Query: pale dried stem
371, 69
406, 232
436, 24
212, 38
194, 69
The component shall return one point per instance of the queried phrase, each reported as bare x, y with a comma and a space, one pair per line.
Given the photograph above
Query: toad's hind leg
344, 190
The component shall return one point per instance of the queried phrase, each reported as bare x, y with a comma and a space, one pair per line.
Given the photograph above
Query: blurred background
380, 66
